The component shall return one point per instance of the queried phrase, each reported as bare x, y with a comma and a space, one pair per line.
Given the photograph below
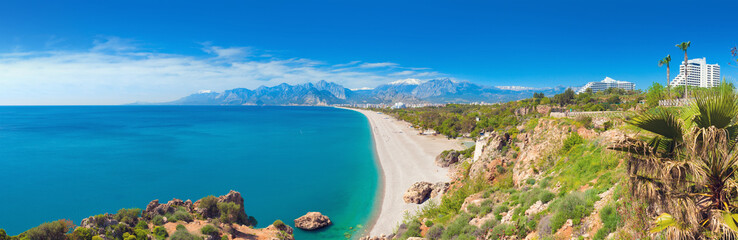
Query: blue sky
111, 52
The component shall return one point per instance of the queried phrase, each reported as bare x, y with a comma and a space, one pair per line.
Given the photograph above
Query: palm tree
666, 62
683, 46
686, 170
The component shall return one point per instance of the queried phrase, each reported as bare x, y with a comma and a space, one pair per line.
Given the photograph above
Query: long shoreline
403, 158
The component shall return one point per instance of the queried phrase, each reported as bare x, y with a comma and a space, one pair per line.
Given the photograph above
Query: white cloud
403, 73
232, 52
115, 71
378, 65
352, 63
112, 44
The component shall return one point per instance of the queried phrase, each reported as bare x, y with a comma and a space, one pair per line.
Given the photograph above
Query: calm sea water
74, 162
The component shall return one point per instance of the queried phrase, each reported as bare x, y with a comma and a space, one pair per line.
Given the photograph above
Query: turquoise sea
77, 161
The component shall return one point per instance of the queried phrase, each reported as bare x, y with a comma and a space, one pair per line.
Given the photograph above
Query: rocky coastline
209, 218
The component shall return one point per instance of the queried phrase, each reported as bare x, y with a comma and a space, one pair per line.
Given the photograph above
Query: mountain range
327, 93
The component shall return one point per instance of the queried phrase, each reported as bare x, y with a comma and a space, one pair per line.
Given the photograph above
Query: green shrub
489, 224
210, 203
213, 231
129, 216
278, 223
571, 141
158, 220
180, 215
180, 227
80, 233
160, 232
435, 232
229, 212
118, 230
572, 206
128, 236
500, 209
547, 196
530, 181
49, 230
585, 162
141, 234
142, 224
460, 226
99, 220
499, 231
183, 235
610, 221
96, 238
3, 234
413, 230
428, 223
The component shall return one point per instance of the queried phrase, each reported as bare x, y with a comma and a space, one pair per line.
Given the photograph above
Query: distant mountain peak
442, 90
520, 88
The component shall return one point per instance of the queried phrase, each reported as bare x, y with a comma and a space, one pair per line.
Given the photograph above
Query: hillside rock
498, 141
446, 158
154, 208
418, 192
439, 189
312, 221
545, 139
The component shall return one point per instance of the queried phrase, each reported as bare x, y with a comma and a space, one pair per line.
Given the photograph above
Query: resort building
398, 105
700, 73
607, 83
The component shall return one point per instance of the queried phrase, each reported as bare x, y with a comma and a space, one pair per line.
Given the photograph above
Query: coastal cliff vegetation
470, 120
651, 173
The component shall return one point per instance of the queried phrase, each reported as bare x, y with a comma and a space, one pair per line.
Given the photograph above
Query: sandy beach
405, 158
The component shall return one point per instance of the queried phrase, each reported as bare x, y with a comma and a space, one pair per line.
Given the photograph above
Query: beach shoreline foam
404, 157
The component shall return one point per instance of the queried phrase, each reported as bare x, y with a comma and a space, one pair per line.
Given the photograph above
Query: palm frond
661, 122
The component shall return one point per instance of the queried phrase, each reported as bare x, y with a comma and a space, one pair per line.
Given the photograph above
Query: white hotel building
700, 73
607, 83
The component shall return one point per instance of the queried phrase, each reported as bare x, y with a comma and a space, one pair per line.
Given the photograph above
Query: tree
683, 46
654, 94
686, 171
565, 98
666, 61
50, 231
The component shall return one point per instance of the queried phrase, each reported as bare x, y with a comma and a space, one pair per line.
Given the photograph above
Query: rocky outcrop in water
312, 221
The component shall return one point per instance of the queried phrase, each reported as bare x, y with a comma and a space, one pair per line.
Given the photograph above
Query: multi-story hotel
700, 73
607, 83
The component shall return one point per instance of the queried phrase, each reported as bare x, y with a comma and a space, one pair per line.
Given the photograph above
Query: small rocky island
209, 218
312, 221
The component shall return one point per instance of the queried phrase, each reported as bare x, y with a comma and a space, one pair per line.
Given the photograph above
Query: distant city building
398, 105
700, 73
607, 83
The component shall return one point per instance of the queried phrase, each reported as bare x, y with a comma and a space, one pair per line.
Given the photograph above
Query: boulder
439, 189
312, 221
418, 192
498, 141
446, 158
